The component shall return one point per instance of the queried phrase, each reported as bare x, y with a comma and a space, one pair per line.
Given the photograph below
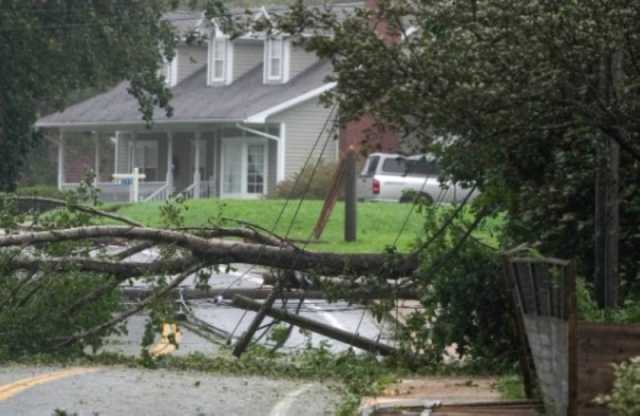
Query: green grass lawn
378, 223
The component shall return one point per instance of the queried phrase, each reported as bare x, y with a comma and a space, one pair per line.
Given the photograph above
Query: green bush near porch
378, 223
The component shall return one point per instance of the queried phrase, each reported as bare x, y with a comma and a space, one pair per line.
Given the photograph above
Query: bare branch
132, 311
116, 268
133, 250
82, 208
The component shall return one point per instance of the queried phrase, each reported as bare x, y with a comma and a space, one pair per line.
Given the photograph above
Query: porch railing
188, 192
121, 192
161, 194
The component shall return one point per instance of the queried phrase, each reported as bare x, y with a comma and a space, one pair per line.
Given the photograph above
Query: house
246, 116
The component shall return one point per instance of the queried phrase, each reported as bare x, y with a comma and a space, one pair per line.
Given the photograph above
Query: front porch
217, 160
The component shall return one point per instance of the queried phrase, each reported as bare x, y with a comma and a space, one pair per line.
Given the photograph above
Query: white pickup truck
392, 177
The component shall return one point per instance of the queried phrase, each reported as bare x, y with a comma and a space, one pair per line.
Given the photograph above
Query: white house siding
303, 124
246, 56
123, 153
300, 60
190, 59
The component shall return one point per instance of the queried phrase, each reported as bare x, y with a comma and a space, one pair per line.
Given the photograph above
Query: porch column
282, 142
196, 166
96, 138
169, 162
116, 156
60, 159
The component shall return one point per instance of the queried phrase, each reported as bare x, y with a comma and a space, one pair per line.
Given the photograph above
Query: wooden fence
570, 359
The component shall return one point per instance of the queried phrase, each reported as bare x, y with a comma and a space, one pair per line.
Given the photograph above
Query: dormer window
275, 60
220, 60
170, 71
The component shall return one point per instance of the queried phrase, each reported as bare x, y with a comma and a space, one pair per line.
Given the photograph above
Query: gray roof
185, 22
193, 101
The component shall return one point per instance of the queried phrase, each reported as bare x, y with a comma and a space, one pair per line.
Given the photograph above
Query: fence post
350, 197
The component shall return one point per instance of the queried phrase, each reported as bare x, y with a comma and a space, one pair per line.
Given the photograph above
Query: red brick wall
363, 134
367, 137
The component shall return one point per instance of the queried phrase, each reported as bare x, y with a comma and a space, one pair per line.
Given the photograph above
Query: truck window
423, 167
372, 165
395, 166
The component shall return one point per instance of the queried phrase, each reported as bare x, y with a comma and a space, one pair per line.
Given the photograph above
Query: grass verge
378, 223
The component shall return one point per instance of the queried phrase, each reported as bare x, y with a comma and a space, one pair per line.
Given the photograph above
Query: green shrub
318, 187
624, 399
46, 191
588, 309
459, 286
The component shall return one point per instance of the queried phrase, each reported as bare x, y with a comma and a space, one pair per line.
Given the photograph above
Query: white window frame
243, 178
271, 57
170, 70
216, 39
283, 75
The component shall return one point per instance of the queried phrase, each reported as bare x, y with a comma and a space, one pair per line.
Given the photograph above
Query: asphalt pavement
114, 391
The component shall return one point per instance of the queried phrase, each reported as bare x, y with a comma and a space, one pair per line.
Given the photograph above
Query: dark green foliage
38, 307
52, 50
462, 296
588, 310
40, 166
46, 191
517, 97
35, 317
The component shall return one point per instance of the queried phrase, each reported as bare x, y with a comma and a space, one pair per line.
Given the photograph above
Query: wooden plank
524, 355
599, 346
244, 341
330, 200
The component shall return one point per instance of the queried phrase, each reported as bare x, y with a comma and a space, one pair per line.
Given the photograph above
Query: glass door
232, 168
244, 168
256, 164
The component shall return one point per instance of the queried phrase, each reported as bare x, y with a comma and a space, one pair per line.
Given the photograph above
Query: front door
182, 164
244, 168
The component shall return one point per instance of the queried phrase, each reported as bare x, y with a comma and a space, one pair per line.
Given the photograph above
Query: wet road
119, 391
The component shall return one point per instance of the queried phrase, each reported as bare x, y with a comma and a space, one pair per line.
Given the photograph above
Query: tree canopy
520, 98
51, 49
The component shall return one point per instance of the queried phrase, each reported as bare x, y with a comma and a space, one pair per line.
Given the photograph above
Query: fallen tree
39, 254
221, 251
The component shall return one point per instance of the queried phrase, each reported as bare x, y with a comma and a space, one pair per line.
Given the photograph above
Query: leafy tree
521, 98
50, 49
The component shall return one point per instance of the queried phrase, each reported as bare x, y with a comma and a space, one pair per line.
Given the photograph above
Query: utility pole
607, 203
350, 197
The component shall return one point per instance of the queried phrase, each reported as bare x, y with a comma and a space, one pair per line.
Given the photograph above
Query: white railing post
196, 164
136, 185
169, 163
60, 160
134, 188
96, 137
